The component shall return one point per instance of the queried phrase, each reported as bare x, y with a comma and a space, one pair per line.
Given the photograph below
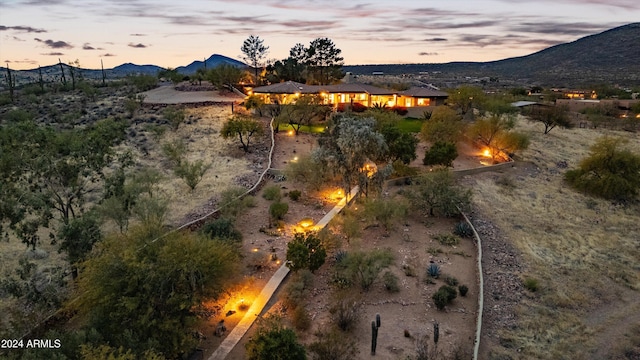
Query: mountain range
612, 56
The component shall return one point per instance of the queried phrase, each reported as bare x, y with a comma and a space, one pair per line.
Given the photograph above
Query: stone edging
481, 290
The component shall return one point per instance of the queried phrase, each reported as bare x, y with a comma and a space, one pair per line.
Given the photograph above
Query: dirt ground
411, 309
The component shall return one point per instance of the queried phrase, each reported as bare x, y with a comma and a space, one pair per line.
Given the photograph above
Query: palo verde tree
347, 145
51, 171
225, 76
550, 117
611, 171
443, 125
466, 98
438, 192
305, 252
495, 130
254, 52
303, 111
140, 291
243, 127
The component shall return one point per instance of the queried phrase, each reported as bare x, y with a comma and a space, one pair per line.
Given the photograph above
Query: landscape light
486, 153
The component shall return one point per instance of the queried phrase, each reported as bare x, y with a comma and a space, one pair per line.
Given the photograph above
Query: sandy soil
166, 94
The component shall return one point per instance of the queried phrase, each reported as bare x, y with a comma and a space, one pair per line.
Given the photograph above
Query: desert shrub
463, 229
329, 239
231, 204
400, 110
307, 170
293, 294
463, 289
350, 226
222, 228
447, 239
531, 284
272, 193
333, 345
143, 82
363, 268
401, 169
300, 318
274, 341
295, 195
438, 193
451, 281
345, 313
17, 115
441, 153
433, 270
175, 151
610, 171
305, 252
434, 251
191, 172
390, 282
358, 107
278, 210
175, 116
385, 212
444, 296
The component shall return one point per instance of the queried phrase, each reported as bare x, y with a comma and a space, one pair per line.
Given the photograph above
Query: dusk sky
174, 33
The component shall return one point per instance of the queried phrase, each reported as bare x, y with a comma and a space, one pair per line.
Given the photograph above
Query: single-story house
367, 95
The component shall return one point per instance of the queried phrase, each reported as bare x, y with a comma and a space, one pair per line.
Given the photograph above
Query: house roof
523, 103
287, 87
423, 92
356, 88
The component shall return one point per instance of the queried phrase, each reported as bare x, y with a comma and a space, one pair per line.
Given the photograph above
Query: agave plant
463, 229
433, 270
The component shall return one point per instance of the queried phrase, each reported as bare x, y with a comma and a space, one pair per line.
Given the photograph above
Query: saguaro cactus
374, 337
436, 332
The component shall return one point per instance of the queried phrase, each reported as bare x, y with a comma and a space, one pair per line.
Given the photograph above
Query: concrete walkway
267, 292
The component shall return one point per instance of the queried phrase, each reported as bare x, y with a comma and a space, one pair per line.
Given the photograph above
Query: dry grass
583, 251
203, 141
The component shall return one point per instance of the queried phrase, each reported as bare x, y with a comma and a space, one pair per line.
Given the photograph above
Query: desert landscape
144, 216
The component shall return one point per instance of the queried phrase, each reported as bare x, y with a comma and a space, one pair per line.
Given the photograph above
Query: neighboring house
367, 95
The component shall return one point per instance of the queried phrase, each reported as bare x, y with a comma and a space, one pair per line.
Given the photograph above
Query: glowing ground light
306, 222
486, 153
290, 133
254, 249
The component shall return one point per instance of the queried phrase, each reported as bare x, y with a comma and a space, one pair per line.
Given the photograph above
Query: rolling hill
610, 56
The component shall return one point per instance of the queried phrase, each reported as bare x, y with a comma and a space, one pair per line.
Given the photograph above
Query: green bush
295, 195
390, 282
272, 338
333, 345
191, 172
272, 193
451, 281
447, 239
278, 210
441, 153
531, 284
363, 268
444, 296
305, 252
463, 289
222, 228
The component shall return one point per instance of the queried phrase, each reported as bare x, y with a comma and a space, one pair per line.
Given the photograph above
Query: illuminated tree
495, 130
466, 98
